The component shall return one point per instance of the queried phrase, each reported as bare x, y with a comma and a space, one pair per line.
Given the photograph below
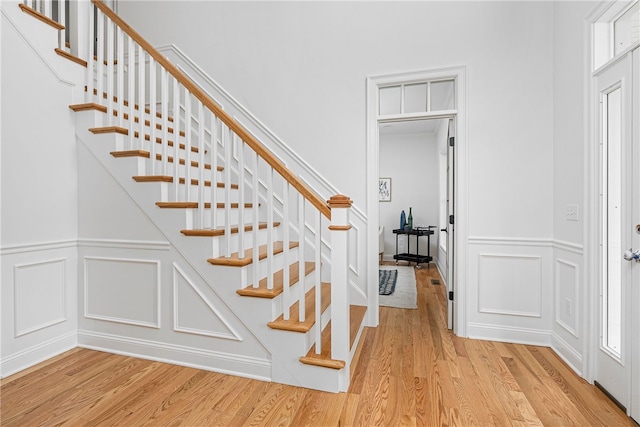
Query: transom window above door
419, 97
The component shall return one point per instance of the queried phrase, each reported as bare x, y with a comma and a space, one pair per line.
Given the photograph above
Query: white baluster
318, 281
120, 74
301, 259
228, 143
241, 208
269, 208
62, 34
110, 74
90, 53
187, 148
99, 58
254, 202
131, 87
142, 65
153, 99
176, 133
285, 250
164, 99
201, 176
214, 171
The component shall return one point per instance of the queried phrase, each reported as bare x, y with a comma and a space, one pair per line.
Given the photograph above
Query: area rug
405, 294
387, 281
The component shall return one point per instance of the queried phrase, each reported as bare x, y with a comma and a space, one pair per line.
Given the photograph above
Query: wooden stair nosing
356, 316
194, 205
41, 17
167, 178
293, 324
208, 232
146, 154
170, 143
87, 106
235, 261
136, 134
278, 281
103, 109
71, 57
109, 129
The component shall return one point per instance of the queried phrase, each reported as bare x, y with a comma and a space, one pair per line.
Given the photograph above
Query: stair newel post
285, 250
254, 211
201, 150
339, 228
318, 282
301, 259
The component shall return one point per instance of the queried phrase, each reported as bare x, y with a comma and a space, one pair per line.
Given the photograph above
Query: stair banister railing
123, 67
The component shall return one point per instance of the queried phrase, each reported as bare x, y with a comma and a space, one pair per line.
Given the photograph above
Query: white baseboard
37, 354
224, 363
509, 334
570, 356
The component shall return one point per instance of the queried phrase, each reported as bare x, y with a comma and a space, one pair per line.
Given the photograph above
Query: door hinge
452, 141
451, 219
450, 295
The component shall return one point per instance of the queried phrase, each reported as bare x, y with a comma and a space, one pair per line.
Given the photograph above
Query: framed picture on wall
384, 190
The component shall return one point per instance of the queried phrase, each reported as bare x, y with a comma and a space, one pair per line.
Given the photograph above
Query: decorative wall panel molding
194, 313
33, 247
125, 244
510, 284
122, 290
567, 296
39, 295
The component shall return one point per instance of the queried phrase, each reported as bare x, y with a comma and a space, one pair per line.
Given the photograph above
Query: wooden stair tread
103, 109
356, 316
220, 231
147, 137
293, 324
167, 178
71, 57
235, 261
146, 154
26, 9
278, 280
88, 106
194, 205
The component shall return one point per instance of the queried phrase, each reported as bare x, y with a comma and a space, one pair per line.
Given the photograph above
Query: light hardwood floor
409, 371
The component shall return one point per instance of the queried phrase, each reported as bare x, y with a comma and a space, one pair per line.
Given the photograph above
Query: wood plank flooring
409, 371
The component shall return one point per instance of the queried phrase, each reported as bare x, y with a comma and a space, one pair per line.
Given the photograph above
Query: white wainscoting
38, 304
510, 290
122, 290
39, 291
194, 313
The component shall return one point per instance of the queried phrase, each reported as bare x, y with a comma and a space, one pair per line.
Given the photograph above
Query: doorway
617, 353
417, 97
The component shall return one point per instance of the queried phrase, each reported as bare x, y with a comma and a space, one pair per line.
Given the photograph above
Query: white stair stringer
285, 347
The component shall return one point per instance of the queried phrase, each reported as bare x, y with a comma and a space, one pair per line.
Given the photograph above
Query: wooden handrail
249, 139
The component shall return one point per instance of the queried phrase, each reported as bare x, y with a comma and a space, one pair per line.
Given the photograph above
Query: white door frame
461, 203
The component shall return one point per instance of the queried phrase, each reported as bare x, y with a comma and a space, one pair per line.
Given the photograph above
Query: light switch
571, 213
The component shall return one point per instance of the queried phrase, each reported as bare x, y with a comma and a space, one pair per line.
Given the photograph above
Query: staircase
274, 251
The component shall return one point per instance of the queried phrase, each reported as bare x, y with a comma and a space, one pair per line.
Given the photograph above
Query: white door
617, 356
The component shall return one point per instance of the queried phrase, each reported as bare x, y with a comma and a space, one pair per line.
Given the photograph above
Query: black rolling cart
414, 256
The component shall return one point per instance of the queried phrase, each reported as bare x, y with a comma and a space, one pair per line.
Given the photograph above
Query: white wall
411, 161
300, 67
38, 212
